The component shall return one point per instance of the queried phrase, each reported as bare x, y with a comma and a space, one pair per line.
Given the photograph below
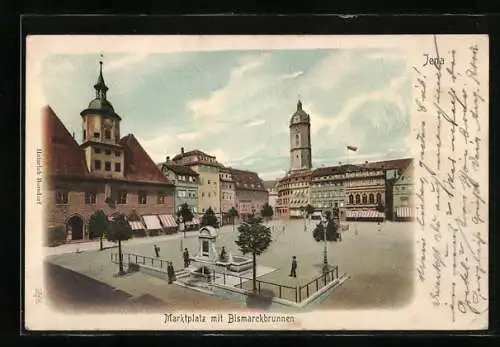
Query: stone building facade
207, 168
227, 190
293, 194
186, 183
106, 172
250, 194
272, 190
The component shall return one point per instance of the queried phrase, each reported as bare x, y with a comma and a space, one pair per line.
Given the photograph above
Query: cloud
291, 75
386, 56
125, 62
189, 136
255, 123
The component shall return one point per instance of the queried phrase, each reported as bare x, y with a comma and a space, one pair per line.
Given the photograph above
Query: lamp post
325, 249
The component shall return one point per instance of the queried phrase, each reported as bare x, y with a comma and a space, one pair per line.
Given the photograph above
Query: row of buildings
115, 174
359, 191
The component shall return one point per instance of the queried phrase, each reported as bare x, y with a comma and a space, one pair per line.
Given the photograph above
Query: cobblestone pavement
379, 263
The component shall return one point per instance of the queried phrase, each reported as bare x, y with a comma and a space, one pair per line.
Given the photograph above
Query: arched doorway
75, 225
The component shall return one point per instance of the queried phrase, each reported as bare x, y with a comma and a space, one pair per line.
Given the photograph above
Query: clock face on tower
108, 123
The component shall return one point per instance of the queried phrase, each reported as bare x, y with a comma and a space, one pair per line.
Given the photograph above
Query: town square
193, 229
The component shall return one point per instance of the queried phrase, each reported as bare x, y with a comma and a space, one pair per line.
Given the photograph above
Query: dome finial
299, 104
100, 86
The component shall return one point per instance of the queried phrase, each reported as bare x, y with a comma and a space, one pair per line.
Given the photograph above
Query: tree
309, 209
209, 219
56, 236
331, 229
186, 213
267, 211
253, 238
119, 230
232, 213
99, 225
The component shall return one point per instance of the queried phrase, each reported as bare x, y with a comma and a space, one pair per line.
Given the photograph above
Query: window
90, 198
97, 164
208, 182
371, 198
143, 197
122, 198
97, 135
97, 150
297, 139
84, 134
358, 200
107, 151
161, 198
107, 166
379, 197
203, 197
209, 195
61, 197
117, 154
118, 167
107, 134
364, 199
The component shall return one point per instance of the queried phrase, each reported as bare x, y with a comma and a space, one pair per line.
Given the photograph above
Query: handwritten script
451, 185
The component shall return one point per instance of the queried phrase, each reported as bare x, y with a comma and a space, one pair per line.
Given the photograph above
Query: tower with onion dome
101, 134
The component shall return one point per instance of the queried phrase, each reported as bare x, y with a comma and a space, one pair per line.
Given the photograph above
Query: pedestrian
223, 254
185, 255
170, 272
293, 271
157, 251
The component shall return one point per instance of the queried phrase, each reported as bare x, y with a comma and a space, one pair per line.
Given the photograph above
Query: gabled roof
247, 180
138, 164
180, 169
333, 170
270, 184
63, 155
190, 153
400, 164
203, 158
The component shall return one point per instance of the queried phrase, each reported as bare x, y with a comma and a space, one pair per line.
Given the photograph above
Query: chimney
73, 134
366, 161
182, 150
167, 160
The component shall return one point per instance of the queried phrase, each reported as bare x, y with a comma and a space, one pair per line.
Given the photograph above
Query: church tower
101, 134
300, 140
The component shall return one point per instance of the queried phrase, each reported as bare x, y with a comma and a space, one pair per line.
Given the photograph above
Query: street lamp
324, 221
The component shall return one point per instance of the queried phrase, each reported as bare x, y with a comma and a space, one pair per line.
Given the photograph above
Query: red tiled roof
332, 170
245, 179
193, 152
138, 164
389, 164
180, 169
63, 155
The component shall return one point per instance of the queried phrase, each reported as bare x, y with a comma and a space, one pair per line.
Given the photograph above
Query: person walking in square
170, 272
185, 255
157, 251
293, 271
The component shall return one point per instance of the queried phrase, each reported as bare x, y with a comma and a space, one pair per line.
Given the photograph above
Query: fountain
208, 257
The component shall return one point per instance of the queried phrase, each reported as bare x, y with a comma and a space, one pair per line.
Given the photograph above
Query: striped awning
168, 221
136, 225
363, 214
405, 212
152, 222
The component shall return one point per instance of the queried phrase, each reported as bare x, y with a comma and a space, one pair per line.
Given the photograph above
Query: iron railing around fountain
129, 258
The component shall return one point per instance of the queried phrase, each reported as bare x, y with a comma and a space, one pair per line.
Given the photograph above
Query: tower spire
299, 105
100, 86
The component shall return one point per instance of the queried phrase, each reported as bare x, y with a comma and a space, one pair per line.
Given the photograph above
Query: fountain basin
240, 264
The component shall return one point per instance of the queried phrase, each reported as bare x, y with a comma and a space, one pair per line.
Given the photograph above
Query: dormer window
97, 135
107, 134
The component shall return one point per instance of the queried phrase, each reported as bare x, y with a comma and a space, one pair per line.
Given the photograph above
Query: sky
237, 105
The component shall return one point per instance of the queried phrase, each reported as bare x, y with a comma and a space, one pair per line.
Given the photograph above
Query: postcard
256, 183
